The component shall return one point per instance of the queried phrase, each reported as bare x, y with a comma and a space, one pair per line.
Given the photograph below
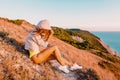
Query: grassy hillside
15, 64
90, 40
91, 43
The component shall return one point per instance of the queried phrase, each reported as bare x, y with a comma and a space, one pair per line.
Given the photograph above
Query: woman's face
44, 33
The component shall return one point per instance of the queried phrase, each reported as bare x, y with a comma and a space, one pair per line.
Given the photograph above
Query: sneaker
75, 67
64, 69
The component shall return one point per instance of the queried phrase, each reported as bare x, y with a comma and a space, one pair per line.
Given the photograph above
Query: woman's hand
50, 34
46, 34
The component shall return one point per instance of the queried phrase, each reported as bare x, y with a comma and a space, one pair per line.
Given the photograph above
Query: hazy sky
90, 15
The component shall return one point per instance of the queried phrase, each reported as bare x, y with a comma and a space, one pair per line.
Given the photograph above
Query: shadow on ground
13, 42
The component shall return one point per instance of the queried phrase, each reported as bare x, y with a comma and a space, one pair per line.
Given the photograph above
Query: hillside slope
82, 39
15, 64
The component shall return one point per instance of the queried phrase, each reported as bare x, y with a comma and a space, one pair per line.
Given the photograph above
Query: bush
88, 74
90, 42
65, 35
108, 57
18, 22
3, 34
13, 42
92, 39
109, 66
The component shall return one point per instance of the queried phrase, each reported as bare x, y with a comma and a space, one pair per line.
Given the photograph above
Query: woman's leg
45, 54
58, 55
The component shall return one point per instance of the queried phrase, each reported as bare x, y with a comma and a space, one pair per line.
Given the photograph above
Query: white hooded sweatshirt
34, 41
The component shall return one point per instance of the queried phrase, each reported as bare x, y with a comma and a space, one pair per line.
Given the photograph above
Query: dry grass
111, 67
15, 65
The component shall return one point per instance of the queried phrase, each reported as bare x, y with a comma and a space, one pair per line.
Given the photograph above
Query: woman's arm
50, 34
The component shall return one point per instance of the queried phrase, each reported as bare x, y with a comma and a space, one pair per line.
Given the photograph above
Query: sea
110, 38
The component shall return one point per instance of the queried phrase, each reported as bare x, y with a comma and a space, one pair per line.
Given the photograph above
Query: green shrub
18, 22
108, 57
3, 34
90, 42
13, 42
66, 36
109, 66
92, 39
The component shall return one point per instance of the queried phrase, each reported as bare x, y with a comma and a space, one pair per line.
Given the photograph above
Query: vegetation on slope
89, 43
18, 21
16, 69
108, 57
13, 42
111, 67
90, 40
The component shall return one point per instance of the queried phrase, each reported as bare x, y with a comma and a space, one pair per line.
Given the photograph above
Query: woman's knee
35, 59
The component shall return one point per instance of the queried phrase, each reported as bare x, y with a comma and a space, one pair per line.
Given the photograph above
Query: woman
37, 45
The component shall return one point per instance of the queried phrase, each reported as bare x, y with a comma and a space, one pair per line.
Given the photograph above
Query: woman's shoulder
34, 35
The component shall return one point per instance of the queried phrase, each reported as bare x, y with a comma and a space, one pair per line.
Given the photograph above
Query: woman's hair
44, 34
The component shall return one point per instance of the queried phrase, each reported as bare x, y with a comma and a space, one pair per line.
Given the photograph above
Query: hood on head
43, 24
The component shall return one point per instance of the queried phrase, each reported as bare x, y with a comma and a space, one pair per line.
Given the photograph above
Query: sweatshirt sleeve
40, 41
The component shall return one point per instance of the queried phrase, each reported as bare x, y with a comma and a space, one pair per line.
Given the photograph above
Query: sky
91, 15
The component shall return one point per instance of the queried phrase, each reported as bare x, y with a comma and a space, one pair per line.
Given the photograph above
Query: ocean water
110, 38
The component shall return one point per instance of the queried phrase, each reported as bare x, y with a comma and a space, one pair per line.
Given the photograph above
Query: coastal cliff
84, 48
108, 48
